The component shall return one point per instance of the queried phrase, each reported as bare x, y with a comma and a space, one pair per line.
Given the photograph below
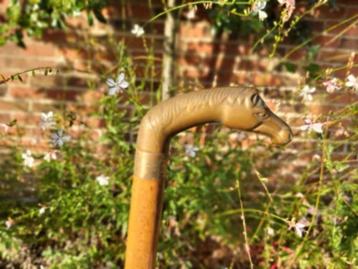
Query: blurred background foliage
69, 220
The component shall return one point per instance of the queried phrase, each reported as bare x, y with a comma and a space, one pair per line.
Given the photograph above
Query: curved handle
238, 108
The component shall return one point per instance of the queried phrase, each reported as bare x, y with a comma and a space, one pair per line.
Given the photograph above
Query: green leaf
99, 16
19, 39
312, 53
90, 19
289, 66
12, 123
313, 70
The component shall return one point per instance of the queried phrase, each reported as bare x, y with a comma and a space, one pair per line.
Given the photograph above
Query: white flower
306, 93
49, 156
316, 157
286, 2
137, 30
102, 180
42, 210
191, 14
47, 120
300, 226
310, 126
28, 160
331, 85
9, 223
117, 86
341, 132
352, 82
190, 150
270, 231
208, 5
237, 136
59, 138
258, 9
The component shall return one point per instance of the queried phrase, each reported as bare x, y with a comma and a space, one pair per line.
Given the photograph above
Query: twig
247, 246
47, 70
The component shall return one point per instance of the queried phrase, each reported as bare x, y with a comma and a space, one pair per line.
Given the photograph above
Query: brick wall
202, 59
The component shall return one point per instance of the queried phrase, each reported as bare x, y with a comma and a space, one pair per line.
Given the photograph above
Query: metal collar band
148, 165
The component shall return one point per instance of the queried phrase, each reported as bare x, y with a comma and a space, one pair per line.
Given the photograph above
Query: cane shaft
144, 218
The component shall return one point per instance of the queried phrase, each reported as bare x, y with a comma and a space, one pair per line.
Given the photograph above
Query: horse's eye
255, 99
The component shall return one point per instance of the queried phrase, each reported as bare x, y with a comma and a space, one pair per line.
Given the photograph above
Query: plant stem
247, 246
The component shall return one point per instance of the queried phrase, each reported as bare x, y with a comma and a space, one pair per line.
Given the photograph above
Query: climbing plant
221, 209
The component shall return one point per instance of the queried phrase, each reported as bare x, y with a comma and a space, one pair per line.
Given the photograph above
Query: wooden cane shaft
144, 218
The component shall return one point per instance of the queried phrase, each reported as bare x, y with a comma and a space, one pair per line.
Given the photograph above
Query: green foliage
34, 17
74, 221
231, 17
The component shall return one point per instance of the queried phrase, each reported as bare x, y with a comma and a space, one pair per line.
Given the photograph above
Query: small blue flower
59, 138
114, 87
190, 150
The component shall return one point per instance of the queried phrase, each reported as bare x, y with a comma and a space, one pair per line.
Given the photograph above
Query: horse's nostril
284, 136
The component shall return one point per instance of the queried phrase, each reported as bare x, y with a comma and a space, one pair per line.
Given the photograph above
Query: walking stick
234, 107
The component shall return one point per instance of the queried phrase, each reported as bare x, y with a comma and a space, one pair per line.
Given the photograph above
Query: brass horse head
248, 112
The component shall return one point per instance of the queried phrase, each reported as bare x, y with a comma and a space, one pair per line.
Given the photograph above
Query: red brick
293, 54
25, 93
352, 31
3, 89
342, 98
351, 11
349, 43
47, 82
57, 94
321, 109
327, 12
328, 41
35, 144
71, 53
41, 107
26, 118
338, 27
77, 81
78, 22
33, 49
5, 117
13, 105
95, 123
19, 64
199, 47
197, 30
63, 39
343, 73
333, 56
134, 11
138, 11
347, 3
315, 25
188, 72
